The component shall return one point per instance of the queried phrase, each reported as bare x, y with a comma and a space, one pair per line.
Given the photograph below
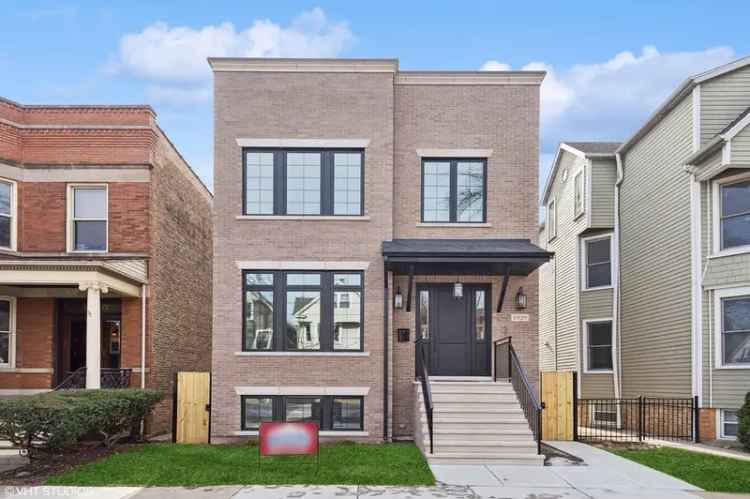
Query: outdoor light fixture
398, 299
458, 290
520, 299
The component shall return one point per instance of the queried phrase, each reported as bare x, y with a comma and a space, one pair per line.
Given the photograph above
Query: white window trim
592, 416
11, 364
70, 239
585, 267
585, 353
13, 214
584, 197
716, 217
720, 419
551, 208
718, 318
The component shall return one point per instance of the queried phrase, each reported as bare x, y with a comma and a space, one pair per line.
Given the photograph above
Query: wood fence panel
193, 397
557, 396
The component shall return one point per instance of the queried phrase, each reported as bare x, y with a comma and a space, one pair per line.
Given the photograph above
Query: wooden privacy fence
192, 407
557, 390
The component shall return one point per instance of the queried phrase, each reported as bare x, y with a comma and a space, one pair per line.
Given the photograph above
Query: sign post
288, 439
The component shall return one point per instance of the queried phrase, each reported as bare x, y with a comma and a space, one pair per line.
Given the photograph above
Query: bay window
7, 214
598, 344
734, 329
597, 252
302, 311
734, 216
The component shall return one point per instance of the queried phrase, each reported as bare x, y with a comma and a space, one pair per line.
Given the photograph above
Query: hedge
743, 432
54, 420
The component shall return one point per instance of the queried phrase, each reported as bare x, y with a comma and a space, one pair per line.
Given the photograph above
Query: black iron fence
636, 419
110, 378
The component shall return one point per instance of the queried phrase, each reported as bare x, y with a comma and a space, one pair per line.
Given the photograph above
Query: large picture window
303, 182
88, 215
302, 311
735, 331
454, 190
598, 261
735, 215
331, 413
598, 343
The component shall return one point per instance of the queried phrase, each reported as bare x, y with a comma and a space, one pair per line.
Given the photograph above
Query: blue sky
610, 63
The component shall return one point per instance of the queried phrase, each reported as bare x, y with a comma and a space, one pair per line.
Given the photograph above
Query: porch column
93, 332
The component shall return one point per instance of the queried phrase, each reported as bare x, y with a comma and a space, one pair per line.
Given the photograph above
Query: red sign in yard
277, 438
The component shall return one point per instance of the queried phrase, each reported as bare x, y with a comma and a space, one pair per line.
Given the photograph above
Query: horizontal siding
561, 354
596, 304
597, 386
741, 147
727, 271
655, 260
722, 100
603, 178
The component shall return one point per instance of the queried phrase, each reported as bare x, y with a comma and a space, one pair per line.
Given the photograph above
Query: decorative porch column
93, 332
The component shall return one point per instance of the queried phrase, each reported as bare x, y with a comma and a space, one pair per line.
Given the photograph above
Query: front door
458, 329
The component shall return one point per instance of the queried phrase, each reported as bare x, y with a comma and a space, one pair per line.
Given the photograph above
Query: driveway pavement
604, 475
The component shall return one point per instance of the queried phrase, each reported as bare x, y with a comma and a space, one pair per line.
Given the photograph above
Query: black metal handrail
507, 365
426, 387
110, 378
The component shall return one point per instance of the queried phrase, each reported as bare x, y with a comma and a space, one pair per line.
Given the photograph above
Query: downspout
386, 296
143, 335
617, 343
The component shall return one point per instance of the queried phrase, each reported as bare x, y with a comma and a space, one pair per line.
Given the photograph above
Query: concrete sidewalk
604, 475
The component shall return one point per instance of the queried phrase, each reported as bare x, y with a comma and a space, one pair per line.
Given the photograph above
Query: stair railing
508, 366
110, 378
420, 345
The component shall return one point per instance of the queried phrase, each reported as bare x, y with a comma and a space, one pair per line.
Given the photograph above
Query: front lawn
202, 465
712, 473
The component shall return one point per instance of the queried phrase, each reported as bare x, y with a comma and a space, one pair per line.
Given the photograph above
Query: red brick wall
42, 214
707, 424
34, 345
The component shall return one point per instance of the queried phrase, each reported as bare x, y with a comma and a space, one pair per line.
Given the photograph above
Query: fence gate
557, 396
192, 407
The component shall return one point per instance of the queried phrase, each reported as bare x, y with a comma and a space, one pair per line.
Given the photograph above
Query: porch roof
464, 256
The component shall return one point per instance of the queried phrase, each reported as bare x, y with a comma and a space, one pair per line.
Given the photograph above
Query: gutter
144, 290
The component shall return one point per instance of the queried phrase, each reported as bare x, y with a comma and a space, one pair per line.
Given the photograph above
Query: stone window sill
301, 354
296, 218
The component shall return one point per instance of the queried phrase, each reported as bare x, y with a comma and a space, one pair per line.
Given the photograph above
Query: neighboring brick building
100, 217
335, 181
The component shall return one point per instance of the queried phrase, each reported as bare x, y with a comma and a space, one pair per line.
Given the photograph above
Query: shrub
54, 420
743, 432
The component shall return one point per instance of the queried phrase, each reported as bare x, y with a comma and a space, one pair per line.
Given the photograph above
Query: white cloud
173, 58
495, 66
610, 99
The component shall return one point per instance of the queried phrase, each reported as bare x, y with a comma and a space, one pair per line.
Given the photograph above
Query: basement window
331, 413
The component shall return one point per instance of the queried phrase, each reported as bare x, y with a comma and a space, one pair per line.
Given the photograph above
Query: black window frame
279, 405
327, 180
453, 201
326, 289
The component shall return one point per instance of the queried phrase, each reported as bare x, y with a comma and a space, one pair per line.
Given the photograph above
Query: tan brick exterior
165, 218
396, 120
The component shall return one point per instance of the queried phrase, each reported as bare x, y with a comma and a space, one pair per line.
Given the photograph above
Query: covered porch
71, 324
458, 297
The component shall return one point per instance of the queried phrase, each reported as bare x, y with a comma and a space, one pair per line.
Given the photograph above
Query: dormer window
88, 218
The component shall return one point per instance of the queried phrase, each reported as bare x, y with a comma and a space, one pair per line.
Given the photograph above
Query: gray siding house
679, 298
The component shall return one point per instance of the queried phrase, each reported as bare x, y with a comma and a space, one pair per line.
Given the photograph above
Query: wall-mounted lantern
398, 299
520, 299
458, 290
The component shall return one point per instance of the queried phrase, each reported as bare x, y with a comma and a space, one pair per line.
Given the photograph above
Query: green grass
712, 473
201, 465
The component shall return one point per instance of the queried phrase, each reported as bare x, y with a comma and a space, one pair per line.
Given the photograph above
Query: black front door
458, 329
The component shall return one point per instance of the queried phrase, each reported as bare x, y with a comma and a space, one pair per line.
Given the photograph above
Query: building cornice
255, 64
470, 77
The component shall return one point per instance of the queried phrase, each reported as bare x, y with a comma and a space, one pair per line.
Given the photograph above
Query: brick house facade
102, 217
319, 166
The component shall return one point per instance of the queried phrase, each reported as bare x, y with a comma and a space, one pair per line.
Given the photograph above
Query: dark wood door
459, 329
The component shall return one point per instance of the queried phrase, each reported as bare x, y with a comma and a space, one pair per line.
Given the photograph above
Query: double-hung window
734, 216
88, 218
730, 423
7, 331
7, 214
302, 311
303, 182
735, 330
454, 190
331, 413
598, 343
598, 262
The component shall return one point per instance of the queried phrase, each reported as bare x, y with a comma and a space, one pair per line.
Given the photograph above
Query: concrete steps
475, 421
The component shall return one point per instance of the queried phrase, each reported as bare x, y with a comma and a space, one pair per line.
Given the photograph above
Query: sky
609, 64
